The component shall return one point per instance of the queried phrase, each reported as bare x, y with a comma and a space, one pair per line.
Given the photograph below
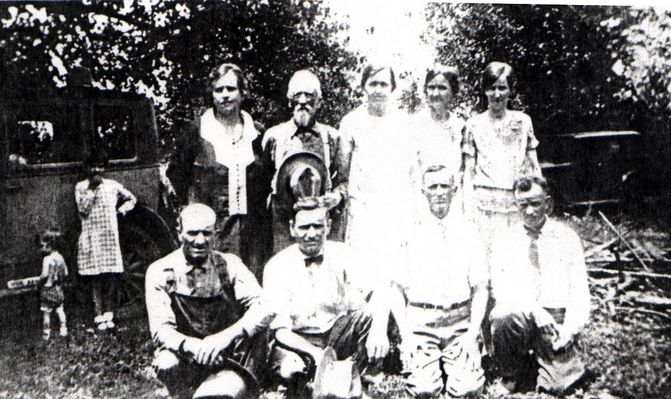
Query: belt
424, 305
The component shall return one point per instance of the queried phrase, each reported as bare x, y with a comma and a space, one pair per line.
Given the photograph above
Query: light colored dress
99, 250
437, 142
380, 191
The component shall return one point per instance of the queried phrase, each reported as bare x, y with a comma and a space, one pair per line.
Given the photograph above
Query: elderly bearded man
310, 286
304, 134
204, 312
539, 285
446, 289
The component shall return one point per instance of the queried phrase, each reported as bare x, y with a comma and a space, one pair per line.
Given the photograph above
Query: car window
45, 134
113, 126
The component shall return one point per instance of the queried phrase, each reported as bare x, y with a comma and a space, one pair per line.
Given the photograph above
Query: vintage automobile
590, 168
43, 143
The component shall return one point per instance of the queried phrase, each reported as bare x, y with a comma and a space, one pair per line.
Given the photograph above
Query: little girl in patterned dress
54, 271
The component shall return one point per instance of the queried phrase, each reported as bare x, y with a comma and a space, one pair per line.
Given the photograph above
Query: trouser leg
180, 378
558, 370
348, 337
512, 338
426, 376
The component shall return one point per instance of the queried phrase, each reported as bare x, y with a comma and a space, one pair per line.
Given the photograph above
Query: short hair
371, 70
494, 71
525, 183
435, 168
51, 236
196, 210
225, 68
309, 204
97, 157
304, 81
450, 73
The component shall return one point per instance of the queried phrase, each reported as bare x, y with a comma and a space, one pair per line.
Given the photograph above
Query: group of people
421, 237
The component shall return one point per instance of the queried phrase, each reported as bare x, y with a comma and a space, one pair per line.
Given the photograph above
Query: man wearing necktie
540, 289
205, 315
304, 134
309, 285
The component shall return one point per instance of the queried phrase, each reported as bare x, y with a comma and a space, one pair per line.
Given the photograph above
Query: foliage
167, 49
560, 55
641, 56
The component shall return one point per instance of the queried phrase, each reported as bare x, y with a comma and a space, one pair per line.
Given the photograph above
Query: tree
560, 55
165, 50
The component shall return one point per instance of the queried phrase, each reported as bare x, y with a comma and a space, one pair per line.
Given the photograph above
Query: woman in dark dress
218, 163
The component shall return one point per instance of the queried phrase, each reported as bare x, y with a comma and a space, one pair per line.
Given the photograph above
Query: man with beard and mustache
446, 289
304, 134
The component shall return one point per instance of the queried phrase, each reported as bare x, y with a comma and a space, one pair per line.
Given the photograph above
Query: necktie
318, 259
534, 259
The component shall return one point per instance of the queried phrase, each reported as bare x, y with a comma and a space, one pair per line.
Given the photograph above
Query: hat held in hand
336, 379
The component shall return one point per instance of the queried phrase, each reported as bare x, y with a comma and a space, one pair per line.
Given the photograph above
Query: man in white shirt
309, 284
446, 288
539, 285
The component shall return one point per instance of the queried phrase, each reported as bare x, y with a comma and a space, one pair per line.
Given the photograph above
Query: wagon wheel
138, 249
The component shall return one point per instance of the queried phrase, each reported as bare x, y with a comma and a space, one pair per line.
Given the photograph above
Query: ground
627, 349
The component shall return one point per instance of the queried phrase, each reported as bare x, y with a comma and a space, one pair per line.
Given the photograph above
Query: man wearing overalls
304, 134
204, 315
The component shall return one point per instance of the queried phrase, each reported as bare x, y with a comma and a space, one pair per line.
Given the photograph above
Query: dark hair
525, 183
495, 70
97, 157
222, 70
434, 168
450, 73
371, 70
51, 236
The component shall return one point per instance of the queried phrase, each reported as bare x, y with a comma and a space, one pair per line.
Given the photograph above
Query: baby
53, 274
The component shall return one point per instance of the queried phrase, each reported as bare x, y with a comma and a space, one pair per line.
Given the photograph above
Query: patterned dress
99, 250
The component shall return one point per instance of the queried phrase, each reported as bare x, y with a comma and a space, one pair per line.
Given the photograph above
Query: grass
628, 355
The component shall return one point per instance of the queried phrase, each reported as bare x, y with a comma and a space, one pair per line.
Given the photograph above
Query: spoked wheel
139, 250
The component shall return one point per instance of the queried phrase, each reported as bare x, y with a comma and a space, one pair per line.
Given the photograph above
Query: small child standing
53, 274
99, 259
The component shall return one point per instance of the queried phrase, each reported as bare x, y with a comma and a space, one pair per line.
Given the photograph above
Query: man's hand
193, 349
563, 339
214, 345
330, 199
546, 324
377, 344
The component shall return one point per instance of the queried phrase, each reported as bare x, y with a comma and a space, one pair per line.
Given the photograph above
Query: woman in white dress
380, 186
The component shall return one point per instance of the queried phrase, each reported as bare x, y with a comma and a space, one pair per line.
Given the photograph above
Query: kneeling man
446, 288
539, 285
204, 311
310, 287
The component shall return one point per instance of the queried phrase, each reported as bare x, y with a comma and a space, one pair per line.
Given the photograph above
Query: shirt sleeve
532, 142
578, 308
249, 294
162, 321
45, 271
468, 140
85, 197
276, 297
127, 198
478, 272
341, 158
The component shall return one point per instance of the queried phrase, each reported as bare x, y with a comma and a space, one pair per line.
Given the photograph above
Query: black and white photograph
334, 199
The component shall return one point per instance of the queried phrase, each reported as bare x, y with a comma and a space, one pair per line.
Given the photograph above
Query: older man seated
204, 312
539, 285
446, 288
